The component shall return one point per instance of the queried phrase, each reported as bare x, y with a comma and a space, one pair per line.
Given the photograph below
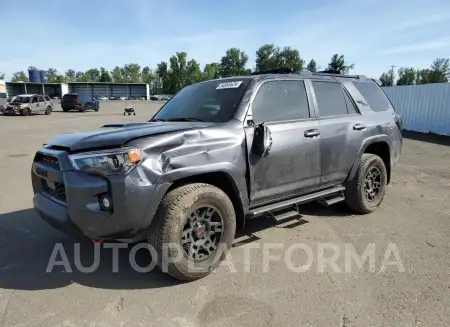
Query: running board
298, 200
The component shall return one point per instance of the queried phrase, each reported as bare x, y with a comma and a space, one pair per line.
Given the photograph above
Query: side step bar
298, 200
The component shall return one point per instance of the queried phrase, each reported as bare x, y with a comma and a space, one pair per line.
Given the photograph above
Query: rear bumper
74, 206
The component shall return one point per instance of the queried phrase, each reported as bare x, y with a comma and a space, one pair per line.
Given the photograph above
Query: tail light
78, 101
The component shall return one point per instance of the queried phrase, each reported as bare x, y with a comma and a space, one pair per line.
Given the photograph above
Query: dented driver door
291, 164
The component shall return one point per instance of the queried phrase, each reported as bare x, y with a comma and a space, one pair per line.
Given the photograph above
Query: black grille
50, 160
58, 191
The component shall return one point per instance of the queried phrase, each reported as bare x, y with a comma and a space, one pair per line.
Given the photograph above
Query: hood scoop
124, 125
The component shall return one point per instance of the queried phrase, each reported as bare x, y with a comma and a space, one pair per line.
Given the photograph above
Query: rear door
293, 163
342, 130
34, 104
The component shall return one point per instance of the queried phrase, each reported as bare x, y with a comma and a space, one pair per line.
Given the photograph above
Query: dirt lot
414, 217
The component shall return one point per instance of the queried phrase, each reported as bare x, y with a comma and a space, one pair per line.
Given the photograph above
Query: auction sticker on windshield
229, 85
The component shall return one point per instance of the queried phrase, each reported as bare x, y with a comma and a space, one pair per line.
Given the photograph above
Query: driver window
35, 100
280, 101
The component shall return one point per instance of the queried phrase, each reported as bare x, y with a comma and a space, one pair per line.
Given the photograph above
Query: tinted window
34, 100
373, 95
280, 100
330, 99
70, 97
47, 98
351, 108
40, 98
212, 101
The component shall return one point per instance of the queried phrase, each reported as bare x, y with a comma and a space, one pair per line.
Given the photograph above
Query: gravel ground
414, 219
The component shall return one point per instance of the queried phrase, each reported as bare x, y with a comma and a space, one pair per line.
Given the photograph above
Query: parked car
219, 153
79, 101
28, 104
123, 98
103, 98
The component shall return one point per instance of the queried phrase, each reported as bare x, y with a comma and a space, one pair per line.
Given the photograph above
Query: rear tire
366, 191
82, 109
173, 224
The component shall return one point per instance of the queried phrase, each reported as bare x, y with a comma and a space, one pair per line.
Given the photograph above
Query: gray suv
218, 153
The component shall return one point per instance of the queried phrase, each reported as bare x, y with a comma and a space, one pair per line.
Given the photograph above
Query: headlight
108, 162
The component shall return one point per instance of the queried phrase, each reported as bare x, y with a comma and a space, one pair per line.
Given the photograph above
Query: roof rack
281, 70
286, 70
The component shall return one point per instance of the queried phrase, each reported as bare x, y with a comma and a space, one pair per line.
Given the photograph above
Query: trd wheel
199, 219
367, 189
124, 113
134, 113
48, 110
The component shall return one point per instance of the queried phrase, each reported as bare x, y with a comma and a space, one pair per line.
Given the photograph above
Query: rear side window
351, 108
280, 100
330, 99
373, 95
47, 98
41, 98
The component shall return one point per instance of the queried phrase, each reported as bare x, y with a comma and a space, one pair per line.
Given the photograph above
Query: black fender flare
364, 145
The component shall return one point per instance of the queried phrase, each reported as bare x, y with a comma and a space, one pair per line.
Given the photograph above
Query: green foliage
233, 63
312, 66
406, 76
171, 76
387, 79
339, 65
270, 56
19, 77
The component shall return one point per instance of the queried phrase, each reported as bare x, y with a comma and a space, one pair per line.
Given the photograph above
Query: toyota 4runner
218, 153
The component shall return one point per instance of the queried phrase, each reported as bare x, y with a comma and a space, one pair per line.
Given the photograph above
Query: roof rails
281, 70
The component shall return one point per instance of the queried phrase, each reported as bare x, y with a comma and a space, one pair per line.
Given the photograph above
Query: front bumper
11, 110
69, 200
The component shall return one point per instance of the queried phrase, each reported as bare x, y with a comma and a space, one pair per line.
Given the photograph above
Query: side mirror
262, 140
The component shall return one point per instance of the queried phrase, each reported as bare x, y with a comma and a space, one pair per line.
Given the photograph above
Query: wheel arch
222, 180
378, 145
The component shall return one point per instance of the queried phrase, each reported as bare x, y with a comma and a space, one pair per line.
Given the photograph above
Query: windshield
213, 101
21, 99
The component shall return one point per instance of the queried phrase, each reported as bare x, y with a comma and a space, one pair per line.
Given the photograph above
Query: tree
2, 75
32, 68
387, 79
52, 75
177, 73
92, 75
60, 79
233, 63
406, 76
290, 58
80, 77
131, 73
266, 57
19, 77
104, 76
193, 72
211, 71
70, 75
312, 66
117, 75
147, 75
440, 70
338, 65
163, 74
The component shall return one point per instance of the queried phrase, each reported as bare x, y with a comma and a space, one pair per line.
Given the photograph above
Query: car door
341, 128
293, 163
41, 104
34, 104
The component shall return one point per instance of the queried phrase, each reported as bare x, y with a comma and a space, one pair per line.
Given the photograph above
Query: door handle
359, 127
312, 133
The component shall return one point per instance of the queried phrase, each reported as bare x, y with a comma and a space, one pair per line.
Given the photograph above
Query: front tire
48, 110
200, 220
25, 112
366, 191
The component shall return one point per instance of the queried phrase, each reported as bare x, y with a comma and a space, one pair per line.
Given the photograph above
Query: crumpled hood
119, 133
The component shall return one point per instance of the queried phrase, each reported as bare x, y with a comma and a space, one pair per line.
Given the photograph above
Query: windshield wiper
185, 119
156, 119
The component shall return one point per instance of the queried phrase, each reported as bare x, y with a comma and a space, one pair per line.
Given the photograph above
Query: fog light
105, 202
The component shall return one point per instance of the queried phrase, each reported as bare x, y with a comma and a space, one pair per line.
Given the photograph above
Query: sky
372, 34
